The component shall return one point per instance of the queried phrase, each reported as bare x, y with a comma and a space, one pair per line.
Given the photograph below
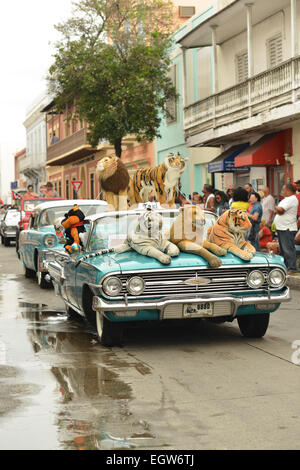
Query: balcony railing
270, 89
70, 148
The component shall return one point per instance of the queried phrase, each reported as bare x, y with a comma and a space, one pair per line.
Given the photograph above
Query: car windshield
111, 231
12, 217
48, 216
30, 205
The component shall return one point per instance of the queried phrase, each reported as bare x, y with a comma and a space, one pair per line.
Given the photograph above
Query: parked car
26, 207
114, 290
41, 235
8, 226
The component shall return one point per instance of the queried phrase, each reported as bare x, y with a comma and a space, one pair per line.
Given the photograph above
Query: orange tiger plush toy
228, 232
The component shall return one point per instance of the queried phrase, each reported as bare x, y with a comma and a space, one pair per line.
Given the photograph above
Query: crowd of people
275, 225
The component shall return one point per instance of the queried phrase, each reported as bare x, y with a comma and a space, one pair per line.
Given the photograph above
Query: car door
28, 243
69, 272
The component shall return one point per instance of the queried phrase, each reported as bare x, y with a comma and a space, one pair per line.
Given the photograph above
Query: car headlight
277, 278
50, 240
255, 279
112, 286
135, 285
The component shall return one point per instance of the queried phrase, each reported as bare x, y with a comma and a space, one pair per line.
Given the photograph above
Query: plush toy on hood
73, 225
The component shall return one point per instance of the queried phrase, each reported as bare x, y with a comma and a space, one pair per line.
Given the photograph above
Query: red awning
269, 150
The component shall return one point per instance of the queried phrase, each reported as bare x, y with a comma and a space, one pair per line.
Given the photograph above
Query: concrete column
294, 45
249, 39
215, 60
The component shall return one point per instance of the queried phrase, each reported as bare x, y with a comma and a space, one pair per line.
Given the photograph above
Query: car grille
171, 282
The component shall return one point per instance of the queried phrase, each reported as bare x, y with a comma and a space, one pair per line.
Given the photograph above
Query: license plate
204, 308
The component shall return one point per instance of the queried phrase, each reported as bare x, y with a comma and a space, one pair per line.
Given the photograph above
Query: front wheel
42, 281
109, 333
6, 241
254, 326
29, 273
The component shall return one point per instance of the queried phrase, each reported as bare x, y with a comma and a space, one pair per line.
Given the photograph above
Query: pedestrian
249, 188
50, 192
180, 198
264, 235
286, 226
209, 198
240, 199
30, 194
221, 202
268, 205
229, 194
255, 215
197, 199
297, 183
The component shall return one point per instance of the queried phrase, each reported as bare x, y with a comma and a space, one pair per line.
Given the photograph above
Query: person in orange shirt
50, 192
30, 194
264, 235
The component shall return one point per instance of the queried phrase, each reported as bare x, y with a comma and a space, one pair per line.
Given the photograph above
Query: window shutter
274, 51
172, 103
242, 67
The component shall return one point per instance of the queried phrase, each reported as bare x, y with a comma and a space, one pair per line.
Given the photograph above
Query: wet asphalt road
196, 386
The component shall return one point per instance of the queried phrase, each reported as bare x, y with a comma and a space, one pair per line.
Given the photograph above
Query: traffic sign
77, 185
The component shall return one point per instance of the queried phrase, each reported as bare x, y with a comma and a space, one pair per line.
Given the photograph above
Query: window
92, 186
74, 121
274, 51
172, 103
241, 66
55, 186
67, 189
59, 187
186, 12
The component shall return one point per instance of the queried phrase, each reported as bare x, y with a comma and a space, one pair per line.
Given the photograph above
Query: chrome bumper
223, 305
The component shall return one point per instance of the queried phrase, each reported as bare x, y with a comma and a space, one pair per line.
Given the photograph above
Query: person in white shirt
268, 205
286, 226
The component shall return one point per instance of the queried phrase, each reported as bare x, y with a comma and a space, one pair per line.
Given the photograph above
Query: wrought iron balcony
263, 92
70, 149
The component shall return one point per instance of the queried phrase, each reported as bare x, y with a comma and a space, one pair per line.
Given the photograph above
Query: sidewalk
294, 281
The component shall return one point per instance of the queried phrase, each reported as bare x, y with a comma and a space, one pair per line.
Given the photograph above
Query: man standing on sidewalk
286, 226
268, 204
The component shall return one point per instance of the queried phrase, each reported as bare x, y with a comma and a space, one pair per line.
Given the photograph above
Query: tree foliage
112, 62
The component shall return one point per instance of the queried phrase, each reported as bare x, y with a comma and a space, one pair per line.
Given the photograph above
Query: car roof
69, 203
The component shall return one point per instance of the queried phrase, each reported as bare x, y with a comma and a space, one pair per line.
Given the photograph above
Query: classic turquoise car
40, 236
114, 290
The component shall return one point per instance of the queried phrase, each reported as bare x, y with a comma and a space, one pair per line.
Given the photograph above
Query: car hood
132, 261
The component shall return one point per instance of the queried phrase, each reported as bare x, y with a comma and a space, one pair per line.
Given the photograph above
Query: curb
293, 281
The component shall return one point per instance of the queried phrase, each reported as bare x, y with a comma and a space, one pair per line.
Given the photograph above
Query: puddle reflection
93, 403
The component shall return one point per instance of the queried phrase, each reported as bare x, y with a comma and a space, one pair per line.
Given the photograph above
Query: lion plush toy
228, 233
148, 240
187, 233
73, 226
114, 180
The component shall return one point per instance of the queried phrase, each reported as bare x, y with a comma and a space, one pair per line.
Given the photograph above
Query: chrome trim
100, 305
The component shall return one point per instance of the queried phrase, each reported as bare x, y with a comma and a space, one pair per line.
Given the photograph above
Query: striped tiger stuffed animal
228, 232
148, 240
161, 179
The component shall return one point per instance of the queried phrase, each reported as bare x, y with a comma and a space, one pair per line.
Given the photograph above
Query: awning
224, 163
268, 150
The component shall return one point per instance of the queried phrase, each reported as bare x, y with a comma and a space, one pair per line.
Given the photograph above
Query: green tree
112, 62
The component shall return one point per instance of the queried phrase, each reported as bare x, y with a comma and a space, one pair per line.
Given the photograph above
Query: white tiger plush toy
148, 240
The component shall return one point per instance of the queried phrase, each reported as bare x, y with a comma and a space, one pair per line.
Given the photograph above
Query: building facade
32, 167
249, 111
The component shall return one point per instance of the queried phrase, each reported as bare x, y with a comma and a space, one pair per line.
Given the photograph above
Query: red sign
77, 185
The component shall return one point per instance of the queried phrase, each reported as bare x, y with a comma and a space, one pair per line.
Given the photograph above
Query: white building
249, 92
34, 165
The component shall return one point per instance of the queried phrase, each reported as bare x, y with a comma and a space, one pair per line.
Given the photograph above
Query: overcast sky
26, 28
